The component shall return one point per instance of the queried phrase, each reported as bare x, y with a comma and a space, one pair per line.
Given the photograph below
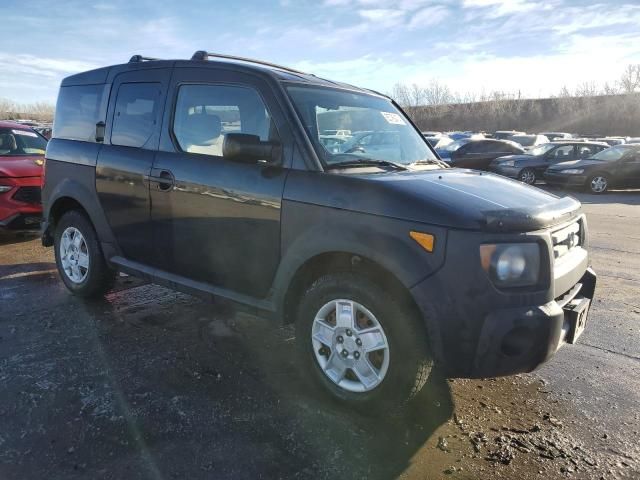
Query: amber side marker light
425, 240
486, 253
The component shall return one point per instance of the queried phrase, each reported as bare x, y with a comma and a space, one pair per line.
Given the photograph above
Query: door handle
164, 179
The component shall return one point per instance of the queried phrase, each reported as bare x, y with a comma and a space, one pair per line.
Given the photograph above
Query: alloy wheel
350, 345
74, 255
528, 177
598, 184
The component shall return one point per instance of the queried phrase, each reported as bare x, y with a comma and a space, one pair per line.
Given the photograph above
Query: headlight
511, 264
5, 188
508, 163
573, 171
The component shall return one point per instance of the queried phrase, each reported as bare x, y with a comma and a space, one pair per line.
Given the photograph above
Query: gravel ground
150, 383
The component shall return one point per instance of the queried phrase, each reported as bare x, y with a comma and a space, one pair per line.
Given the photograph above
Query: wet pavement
150, 383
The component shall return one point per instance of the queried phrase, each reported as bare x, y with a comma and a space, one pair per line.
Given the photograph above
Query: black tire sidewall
408, 349
98, 278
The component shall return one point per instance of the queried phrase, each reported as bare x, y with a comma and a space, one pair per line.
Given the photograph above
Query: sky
534, 47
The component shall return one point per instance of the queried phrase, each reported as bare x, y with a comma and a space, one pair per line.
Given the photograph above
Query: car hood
452, 197
21, 166
575, 164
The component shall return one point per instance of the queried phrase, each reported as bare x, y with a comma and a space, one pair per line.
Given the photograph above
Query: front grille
28, 195
567, 238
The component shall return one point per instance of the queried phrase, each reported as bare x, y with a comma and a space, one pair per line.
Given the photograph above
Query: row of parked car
558, 158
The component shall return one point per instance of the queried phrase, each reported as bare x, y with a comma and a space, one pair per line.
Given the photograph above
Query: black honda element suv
319, 204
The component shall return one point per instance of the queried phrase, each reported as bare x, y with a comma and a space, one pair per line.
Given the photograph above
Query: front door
216, 220
125, 160
629, 172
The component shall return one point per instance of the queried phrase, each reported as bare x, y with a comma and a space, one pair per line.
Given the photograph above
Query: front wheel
361, 345
81, 264
598, 183
527, 176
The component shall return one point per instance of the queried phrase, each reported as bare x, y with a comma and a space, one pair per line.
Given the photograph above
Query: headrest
8, 142
201, 128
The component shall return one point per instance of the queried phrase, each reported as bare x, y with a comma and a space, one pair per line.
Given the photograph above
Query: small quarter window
206, 113
78, 110
136, 112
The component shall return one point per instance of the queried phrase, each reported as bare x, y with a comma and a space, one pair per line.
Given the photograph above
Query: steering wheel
357, 148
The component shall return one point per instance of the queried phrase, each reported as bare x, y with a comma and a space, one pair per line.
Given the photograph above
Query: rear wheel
598, 183
527, 176
359, 344
81, 264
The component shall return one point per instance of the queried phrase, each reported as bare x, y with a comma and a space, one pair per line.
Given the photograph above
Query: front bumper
477, 330
562, 179
20, 207
520, 339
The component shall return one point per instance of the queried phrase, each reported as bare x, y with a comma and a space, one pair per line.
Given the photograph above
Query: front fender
312, 230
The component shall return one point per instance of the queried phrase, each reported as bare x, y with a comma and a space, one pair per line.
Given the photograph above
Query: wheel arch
70, 194
336, 261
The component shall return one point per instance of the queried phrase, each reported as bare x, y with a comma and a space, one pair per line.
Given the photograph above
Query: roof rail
140, 58
204, 55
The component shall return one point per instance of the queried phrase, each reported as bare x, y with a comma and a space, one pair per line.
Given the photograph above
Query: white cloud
499, 8
382, 16
428, 16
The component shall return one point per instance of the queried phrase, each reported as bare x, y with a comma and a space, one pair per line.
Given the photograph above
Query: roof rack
140, 58
204, 55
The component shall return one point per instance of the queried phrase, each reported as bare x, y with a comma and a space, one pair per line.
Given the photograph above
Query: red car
21, 169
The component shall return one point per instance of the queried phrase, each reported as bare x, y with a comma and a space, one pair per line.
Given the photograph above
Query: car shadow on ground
9, 237
153, 383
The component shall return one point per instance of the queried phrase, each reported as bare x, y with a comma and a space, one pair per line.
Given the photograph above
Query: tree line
40, 111
590, 108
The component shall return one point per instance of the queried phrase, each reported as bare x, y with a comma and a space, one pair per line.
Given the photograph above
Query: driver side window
206, 113
561, 154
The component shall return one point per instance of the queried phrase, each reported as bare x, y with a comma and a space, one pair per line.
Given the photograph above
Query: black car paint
478, 154
621, 173
281, 217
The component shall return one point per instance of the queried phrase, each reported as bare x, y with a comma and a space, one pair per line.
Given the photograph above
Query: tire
83, 269
527, 176
408, 362
598, 183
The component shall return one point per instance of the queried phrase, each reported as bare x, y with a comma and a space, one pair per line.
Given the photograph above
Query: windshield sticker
393, 118
26, 133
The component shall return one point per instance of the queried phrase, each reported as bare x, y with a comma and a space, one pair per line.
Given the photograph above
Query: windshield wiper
367, 162
431, 161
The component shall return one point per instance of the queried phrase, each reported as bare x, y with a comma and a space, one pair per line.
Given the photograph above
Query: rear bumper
564, 180
20, 207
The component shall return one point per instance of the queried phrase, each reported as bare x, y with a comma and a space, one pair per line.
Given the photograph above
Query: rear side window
136, 114
78, 110
204, 114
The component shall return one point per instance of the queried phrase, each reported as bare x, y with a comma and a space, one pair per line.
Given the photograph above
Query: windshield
524, 140
370, 127
611, 154
14, 141
541, 149
452, 147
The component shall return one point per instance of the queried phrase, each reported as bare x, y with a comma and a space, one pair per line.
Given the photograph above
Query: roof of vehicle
10, 124
577, 141
208, 60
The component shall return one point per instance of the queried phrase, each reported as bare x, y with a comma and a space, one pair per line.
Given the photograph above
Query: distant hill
603, 115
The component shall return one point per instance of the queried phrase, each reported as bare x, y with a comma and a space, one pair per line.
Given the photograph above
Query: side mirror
246, 148
100, 126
